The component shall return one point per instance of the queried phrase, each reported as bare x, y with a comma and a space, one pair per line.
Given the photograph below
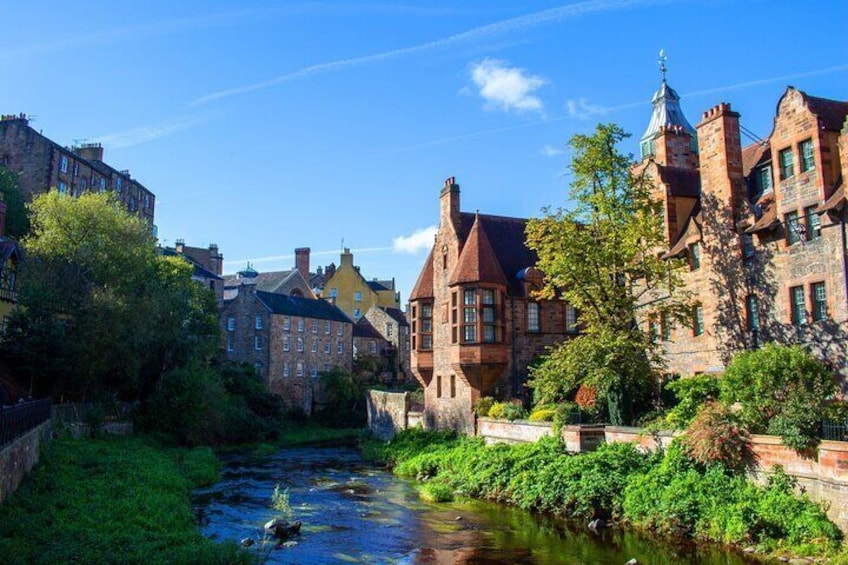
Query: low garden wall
388, 413
20, 456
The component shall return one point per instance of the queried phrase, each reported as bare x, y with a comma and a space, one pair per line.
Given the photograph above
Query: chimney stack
346, 258
216, 260
449, 203
301, 261
179, 246
90, 151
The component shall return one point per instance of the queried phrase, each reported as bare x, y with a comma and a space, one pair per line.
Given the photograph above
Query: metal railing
834, 431
20, 418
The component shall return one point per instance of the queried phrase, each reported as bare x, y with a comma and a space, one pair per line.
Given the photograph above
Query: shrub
483, 406
586, 397
690, 393
716, 435
780, 385
434, 491
497, 410
514, 411
543, 415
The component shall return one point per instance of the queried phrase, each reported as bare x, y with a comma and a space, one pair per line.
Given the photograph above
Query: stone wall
387, 413
502, 431
20, 456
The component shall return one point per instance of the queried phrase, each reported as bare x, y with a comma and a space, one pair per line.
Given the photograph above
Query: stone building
288, 339
42, 165
207, 264
761, 228
294, 282
393, 326
350, 291
475, 324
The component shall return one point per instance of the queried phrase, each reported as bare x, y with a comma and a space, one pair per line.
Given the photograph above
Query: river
355, 513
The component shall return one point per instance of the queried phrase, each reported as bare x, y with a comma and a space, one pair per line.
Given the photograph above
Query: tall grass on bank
666, 492
115, 500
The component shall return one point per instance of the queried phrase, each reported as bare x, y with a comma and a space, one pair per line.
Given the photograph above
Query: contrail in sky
475, 34
143, 134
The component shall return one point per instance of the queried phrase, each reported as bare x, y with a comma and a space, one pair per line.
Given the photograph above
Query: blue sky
265, 126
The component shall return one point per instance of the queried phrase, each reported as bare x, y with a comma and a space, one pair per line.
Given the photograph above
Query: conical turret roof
666, 112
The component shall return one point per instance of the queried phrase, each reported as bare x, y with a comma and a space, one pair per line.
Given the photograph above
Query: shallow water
355, 513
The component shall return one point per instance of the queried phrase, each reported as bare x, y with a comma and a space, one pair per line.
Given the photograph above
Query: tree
603, 256
101, 314
17, 221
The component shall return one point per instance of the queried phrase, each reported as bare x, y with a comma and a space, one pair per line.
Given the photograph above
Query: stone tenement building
293, 282
393, 326
351, 292
207, 264
42, 164
475, 324
761, 228
288, 339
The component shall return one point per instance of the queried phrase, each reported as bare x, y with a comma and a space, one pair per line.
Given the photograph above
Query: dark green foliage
483, 405
342, 395
689, 394
511, 411
17, 219
117, 500
782, 390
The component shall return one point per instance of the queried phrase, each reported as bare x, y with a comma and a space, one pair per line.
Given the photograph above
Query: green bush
782, 389
436, 492
690, 393
543, 415
483, 406
497, 410
508, 411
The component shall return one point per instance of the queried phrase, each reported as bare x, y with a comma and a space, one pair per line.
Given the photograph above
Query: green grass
113, 500
436, 492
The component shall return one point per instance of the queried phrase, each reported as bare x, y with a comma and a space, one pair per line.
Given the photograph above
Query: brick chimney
179, 246
720, 149
216, 260
90, 151
301, 261
346, 258
673, 146
449, 204
2, 215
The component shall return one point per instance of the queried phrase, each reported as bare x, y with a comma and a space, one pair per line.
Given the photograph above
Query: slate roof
376, 286
364, 329
478, 261
303, 307
836, 201
424, 285
268, 282
681, 182
199, 270
831, 113
753, 155
507, 239
397, 315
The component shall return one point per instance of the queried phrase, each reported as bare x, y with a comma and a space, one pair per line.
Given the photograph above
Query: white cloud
550, 151
143, 134
582, 109
420, 240
506, 88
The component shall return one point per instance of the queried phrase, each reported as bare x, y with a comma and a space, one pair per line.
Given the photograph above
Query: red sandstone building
475, 326
761, 228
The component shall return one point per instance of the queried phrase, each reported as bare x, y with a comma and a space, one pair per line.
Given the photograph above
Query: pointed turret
477, 262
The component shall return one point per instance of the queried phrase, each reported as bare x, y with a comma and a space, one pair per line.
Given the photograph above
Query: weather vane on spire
661, 61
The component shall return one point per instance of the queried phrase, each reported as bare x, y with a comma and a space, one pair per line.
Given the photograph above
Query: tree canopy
603, 256
17, 221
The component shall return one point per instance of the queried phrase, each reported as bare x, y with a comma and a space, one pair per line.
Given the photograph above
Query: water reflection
357, 514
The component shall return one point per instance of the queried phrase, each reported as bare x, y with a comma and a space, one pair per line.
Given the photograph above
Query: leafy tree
17, 221
100, 311
602, 257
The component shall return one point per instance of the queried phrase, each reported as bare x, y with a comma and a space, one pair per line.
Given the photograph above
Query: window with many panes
813, 223
752, 313
340, 347
571, 323
314, 346
315, 326
805, 148
798, 305
469, 315
300, 369
258, 324
327, 347
763, 180
286, 323
819, 296
339, 329
533, 321
63, 164
695, 256
698, 321
231, 324
257, 342
787, 165
300, 344
286, 343
749, 252
301, 324
327, 328
793, 231
313, 372
490, 316
286, 369
425, 327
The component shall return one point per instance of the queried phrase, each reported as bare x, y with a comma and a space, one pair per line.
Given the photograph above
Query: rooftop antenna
661, 61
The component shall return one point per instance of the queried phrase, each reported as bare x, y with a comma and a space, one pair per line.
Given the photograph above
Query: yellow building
353, 294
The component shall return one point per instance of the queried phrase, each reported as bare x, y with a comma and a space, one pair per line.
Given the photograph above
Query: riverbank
665, 493
112, 500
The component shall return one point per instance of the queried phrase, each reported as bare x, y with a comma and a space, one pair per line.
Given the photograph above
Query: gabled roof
423, 288
477, 261
363, 328
199, 270
831, 113
268, 282
754, 155
681, 181
303, 307
691, 227
507, 238
397, 315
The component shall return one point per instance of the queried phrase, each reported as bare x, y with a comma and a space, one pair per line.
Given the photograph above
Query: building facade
207, 265
42, 165
761, 228
475, 323
393, 326
350, 291
289, 340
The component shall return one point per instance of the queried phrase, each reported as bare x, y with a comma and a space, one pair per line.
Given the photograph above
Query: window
357, 296
340, 347
231, 324
300, 344
286, 369
299, 369
665, 327
314, 346
334, 292
453, 386
748, 249
752, 313
798, 305
389, 330
286, 323
763, 180
805, 148
76, 169
787, 167
62, 188
373, 347
653, 329
286, 343
118, 184
571, 323
813, 223
257, 368
425, 327
469, 316
315, 326
793, 233
327, 329
327, 347
695, 256
698, 321
301, 324
257, 342
426, 342
339, 329
357, 313
230, 343
438, 386
313, 372
102, 184
533, 317
259, 321
63, 164
819, 296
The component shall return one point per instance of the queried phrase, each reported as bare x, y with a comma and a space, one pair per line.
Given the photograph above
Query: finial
661, 61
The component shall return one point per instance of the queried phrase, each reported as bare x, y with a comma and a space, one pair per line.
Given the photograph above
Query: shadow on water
358, 514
